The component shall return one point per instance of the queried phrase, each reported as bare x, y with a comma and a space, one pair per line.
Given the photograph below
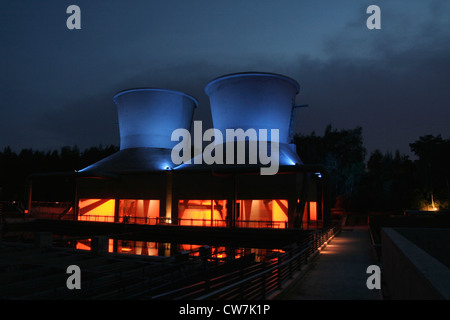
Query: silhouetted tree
386, 182
433, 166
389, 183
15, 168
341, 152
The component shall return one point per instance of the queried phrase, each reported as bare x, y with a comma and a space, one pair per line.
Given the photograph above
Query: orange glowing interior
101, 210
263, 213
313, 211
310, 212
139, 211
202, 212
249, 213
255, 213
130, 210
280, 212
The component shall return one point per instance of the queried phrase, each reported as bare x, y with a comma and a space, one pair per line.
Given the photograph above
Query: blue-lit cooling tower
147, 118
255, 100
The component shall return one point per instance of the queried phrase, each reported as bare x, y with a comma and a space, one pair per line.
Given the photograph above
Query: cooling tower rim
156, 90
252, 74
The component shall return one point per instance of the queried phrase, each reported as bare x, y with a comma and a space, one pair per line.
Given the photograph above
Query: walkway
339, 271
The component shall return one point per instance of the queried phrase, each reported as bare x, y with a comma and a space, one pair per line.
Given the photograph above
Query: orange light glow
313, 211
263, 213
101, 210
190, 247
82, 246
279, 212
201, 217
85, 245
139, 211
129, 210
202, 213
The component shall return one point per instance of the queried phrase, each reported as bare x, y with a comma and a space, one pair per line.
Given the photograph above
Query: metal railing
237, 223
257, 281
160, 220
65, 211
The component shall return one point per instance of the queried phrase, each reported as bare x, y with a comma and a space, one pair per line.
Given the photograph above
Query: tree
15, 168
433, 164
389, 182
341, 152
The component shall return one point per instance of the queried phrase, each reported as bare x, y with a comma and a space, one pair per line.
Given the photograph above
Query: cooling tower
254, 100
147, 118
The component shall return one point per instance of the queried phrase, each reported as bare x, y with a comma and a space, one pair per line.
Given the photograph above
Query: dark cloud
394, 105
57, 85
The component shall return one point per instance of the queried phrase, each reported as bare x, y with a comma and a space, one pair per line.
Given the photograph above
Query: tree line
385, 181
16, 167
358, 182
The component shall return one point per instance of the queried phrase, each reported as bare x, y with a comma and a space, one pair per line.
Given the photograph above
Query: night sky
57, 84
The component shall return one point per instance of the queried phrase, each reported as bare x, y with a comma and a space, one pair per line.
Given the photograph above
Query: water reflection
147, 248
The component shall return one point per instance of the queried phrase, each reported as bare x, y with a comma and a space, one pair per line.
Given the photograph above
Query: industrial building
208, 230
141, 185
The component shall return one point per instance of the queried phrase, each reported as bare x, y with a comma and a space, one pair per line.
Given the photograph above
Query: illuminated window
130, 210
313, 211
211, 213
99, 210
139, 211
265, 213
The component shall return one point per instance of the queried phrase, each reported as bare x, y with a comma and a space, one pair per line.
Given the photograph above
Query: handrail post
263, 282
207, 285
279, 272
241, 289
290, 264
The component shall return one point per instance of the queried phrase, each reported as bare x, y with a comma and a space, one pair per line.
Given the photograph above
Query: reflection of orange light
189, 247
82, 246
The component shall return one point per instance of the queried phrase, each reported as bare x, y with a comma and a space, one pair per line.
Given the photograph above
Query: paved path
339, 271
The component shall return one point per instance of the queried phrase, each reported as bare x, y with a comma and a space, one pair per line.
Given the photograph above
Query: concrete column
292, 204
116, 210
174, 213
